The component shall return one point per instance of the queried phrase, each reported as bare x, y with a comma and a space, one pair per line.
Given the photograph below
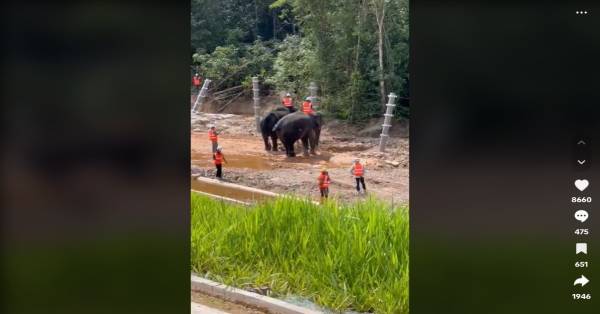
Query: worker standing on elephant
213, 138
324, 180
358, 171
307, 106
218, 160
288, 102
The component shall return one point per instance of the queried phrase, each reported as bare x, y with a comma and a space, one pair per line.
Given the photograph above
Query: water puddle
267, 162
233, 161
226, 191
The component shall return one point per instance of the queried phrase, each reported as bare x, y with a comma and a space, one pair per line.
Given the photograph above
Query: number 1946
581, 296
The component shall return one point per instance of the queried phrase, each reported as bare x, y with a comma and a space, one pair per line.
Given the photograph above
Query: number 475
582, 231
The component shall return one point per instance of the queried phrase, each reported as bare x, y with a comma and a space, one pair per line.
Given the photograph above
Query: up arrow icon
581, 142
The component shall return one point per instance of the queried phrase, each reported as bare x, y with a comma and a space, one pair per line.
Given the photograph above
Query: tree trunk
274, 12
355, 69
380, 17
381, 75
255, 20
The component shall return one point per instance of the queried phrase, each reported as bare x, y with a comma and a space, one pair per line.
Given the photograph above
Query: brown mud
250, 165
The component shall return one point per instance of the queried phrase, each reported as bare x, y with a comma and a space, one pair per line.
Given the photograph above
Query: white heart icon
581, 184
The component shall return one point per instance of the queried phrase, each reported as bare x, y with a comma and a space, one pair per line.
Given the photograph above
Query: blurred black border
95, 157
500, 93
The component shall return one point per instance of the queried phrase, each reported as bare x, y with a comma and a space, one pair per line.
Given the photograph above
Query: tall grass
343, 257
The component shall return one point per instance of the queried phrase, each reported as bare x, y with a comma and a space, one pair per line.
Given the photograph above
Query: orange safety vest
197, 81
212, 136
218, 158
288, 102
307, 107
323, 181
359, 170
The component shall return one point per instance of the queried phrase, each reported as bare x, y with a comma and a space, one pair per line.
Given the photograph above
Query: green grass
343, 257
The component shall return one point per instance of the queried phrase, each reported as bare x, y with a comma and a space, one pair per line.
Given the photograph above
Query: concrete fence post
312, 88
387, 121
201, 95
256, 98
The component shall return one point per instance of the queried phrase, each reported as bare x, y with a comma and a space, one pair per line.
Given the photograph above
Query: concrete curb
222, 198
247, 298
238, 187
202, 309
244, 188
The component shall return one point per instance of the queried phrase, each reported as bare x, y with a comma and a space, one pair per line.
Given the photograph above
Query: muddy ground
249, 164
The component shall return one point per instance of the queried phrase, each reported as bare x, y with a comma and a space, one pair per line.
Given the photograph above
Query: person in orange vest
213, 138
288, 102
324, 180
197, 81
218, 160
358, 170
307, 107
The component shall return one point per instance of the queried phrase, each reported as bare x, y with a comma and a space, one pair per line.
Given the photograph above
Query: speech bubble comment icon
581, 215
581, 248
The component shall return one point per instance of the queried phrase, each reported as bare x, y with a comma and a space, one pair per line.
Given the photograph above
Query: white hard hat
308, 98
219, 148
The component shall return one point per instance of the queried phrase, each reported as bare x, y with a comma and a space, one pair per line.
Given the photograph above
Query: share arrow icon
581, 281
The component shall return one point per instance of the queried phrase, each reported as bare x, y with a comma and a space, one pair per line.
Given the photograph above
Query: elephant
266, 127
299, 126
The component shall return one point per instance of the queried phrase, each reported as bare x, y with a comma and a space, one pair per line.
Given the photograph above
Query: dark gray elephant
266, 127
299, 126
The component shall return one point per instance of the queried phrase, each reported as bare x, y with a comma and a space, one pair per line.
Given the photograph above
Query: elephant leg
312, 139
287, 149
267, 144
290, 149
274, 139
305, 145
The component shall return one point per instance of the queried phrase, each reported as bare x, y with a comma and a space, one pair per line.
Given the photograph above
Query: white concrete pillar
387, 121
256, 98
201, 95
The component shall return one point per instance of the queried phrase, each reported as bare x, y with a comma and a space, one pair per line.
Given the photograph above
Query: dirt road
249, 164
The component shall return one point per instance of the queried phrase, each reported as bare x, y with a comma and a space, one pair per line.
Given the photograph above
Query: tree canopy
355, 50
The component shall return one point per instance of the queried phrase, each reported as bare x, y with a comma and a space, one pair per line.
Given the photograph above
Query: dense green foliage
340, 256
356, 50
233, 65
